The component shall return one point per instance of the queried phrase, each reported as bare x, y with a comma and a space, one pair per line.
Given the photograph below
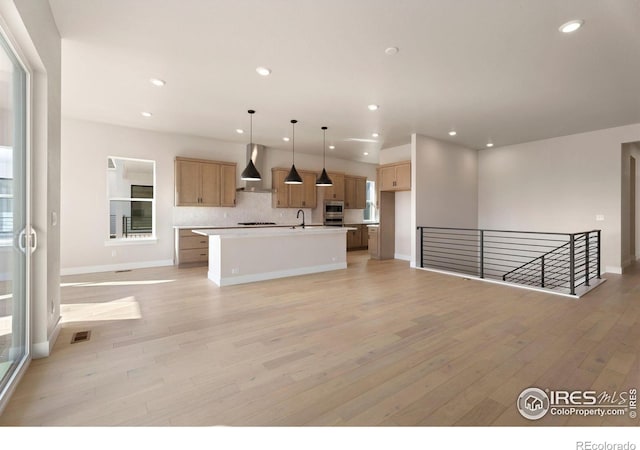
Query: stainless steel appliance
333, 213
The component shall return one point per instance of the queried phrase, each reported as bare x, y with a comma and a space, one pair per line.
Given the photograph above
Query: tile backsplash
250, 207
253, 207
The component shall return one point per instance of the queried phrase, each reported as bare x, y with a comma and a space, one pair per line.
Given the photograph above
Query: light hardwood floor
375, 344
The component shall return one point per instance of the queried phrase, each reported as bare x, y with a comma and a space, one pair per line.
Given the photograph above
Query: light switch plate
599, 217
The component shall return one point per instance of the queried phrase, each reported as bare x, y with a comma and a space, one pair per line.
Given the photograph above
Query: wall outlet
599, 217
226, 215
235, 271
113, 253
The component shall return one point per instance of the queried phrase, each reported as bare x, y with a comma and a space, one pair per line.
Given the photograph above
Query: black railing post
481, 253
572, 257
587, 241
542, 272
598, 256
421, 246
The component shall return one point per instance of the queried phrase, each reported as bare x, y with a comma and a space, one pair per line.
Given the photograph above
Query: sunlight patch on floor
5, 325
126, 308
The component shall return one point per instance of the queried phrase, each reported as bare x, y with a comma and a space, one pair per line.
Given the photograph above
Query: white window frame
131, 240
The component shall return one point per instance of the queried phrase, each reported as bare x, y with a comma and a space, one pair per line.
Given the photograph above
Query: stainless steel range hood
256, 153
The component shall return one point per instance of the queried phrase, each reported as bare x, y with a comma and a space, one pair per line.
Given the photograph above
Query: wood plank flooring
375, 344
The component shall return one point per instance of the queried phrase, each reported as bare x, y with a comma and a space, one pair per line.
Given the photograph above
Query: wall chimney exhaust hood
256, 154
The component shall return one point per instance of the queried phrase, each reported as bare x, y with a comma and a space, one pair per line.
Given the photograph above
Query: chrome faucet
298, 216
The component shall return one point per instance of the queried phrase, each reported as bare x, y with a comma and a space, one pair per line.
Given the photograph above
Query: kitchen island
247, 255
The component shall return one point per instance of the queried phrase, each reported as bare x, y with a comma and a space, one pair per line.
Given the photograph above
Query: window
370, 211
131, 190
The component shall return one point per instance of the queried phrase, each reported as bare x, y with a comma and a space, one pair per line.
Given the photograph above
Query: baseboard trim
613, 269
402, 257
251, 278
114, 267
44, 349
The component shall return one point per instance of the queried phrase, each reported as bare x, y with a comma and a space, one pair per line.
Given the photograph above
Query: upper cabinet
335, 192
355, 192
293, 195
395, 177
201, 182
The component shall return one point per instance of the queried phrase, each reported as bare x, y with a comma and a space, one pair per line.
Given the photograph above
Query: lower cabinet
190, 249
373, 242
357, 239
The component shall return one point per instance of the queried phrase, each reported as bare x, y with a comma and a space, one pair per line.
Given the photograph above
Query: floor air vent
80, 336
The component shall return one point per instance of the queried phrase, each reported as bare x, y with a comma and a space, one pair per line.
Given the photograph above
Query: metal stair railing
549, 260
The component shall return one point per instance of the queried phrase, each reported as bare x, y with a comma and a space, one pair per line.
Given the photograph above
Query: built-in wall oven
333, 213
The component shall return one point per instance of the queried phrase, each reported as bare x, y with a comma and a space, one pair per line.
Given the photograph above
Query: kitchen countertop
231, 227
251, 231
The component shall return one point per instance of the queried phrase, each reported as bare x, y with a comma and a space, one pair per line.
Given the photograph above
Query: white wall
444, 186
35, 35
84, 217
628, 150
403, 242
395, 154
558, 184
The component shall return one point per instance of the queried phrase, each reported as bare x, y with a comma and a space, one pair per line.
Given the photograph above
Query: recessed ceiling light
375, 135
263, 71
157, 82
391, 50
146, 114
373, 107
239, 130
286, 139
332, 147
489, 144
571, 26
452, 133
366, 153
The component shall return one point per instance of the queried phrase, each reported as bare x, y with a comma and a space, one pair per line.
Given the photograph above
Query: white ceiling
492, 70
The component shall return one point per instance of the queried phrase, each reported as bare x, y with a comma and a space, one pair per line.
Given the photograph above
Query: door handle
21, 240
33, 237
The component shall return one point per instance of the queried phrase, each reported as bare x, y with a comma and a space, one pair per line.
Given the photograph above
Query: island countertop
245, 255
291, 230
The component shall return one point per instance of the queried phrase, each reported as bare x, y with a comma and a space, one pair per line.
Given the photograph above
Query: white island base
238, 256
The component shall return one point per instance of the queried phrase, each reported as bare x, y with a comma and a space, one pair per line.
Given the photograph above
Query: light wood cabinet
354, 237
201, 182
394, 177
227, 185
303, 195
358, 238
355, 192
373, 242
335, 192
293, 195
190, 249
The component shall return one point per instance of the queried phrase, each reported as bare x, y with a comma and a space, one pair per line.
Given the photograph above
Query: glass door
16, 240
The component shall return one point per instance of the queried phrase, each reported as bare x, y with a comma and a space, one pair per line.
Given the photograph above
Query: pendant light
294, 176
323, 179
250, 173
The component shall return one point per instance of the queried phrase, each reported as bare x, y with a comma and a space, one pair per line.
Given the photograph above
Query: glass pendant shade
250, 173
323, 179
293, 177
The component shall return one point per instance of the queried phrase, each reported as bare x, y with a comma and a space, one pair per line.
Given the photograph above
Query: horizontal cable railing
558, 261
132, 226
